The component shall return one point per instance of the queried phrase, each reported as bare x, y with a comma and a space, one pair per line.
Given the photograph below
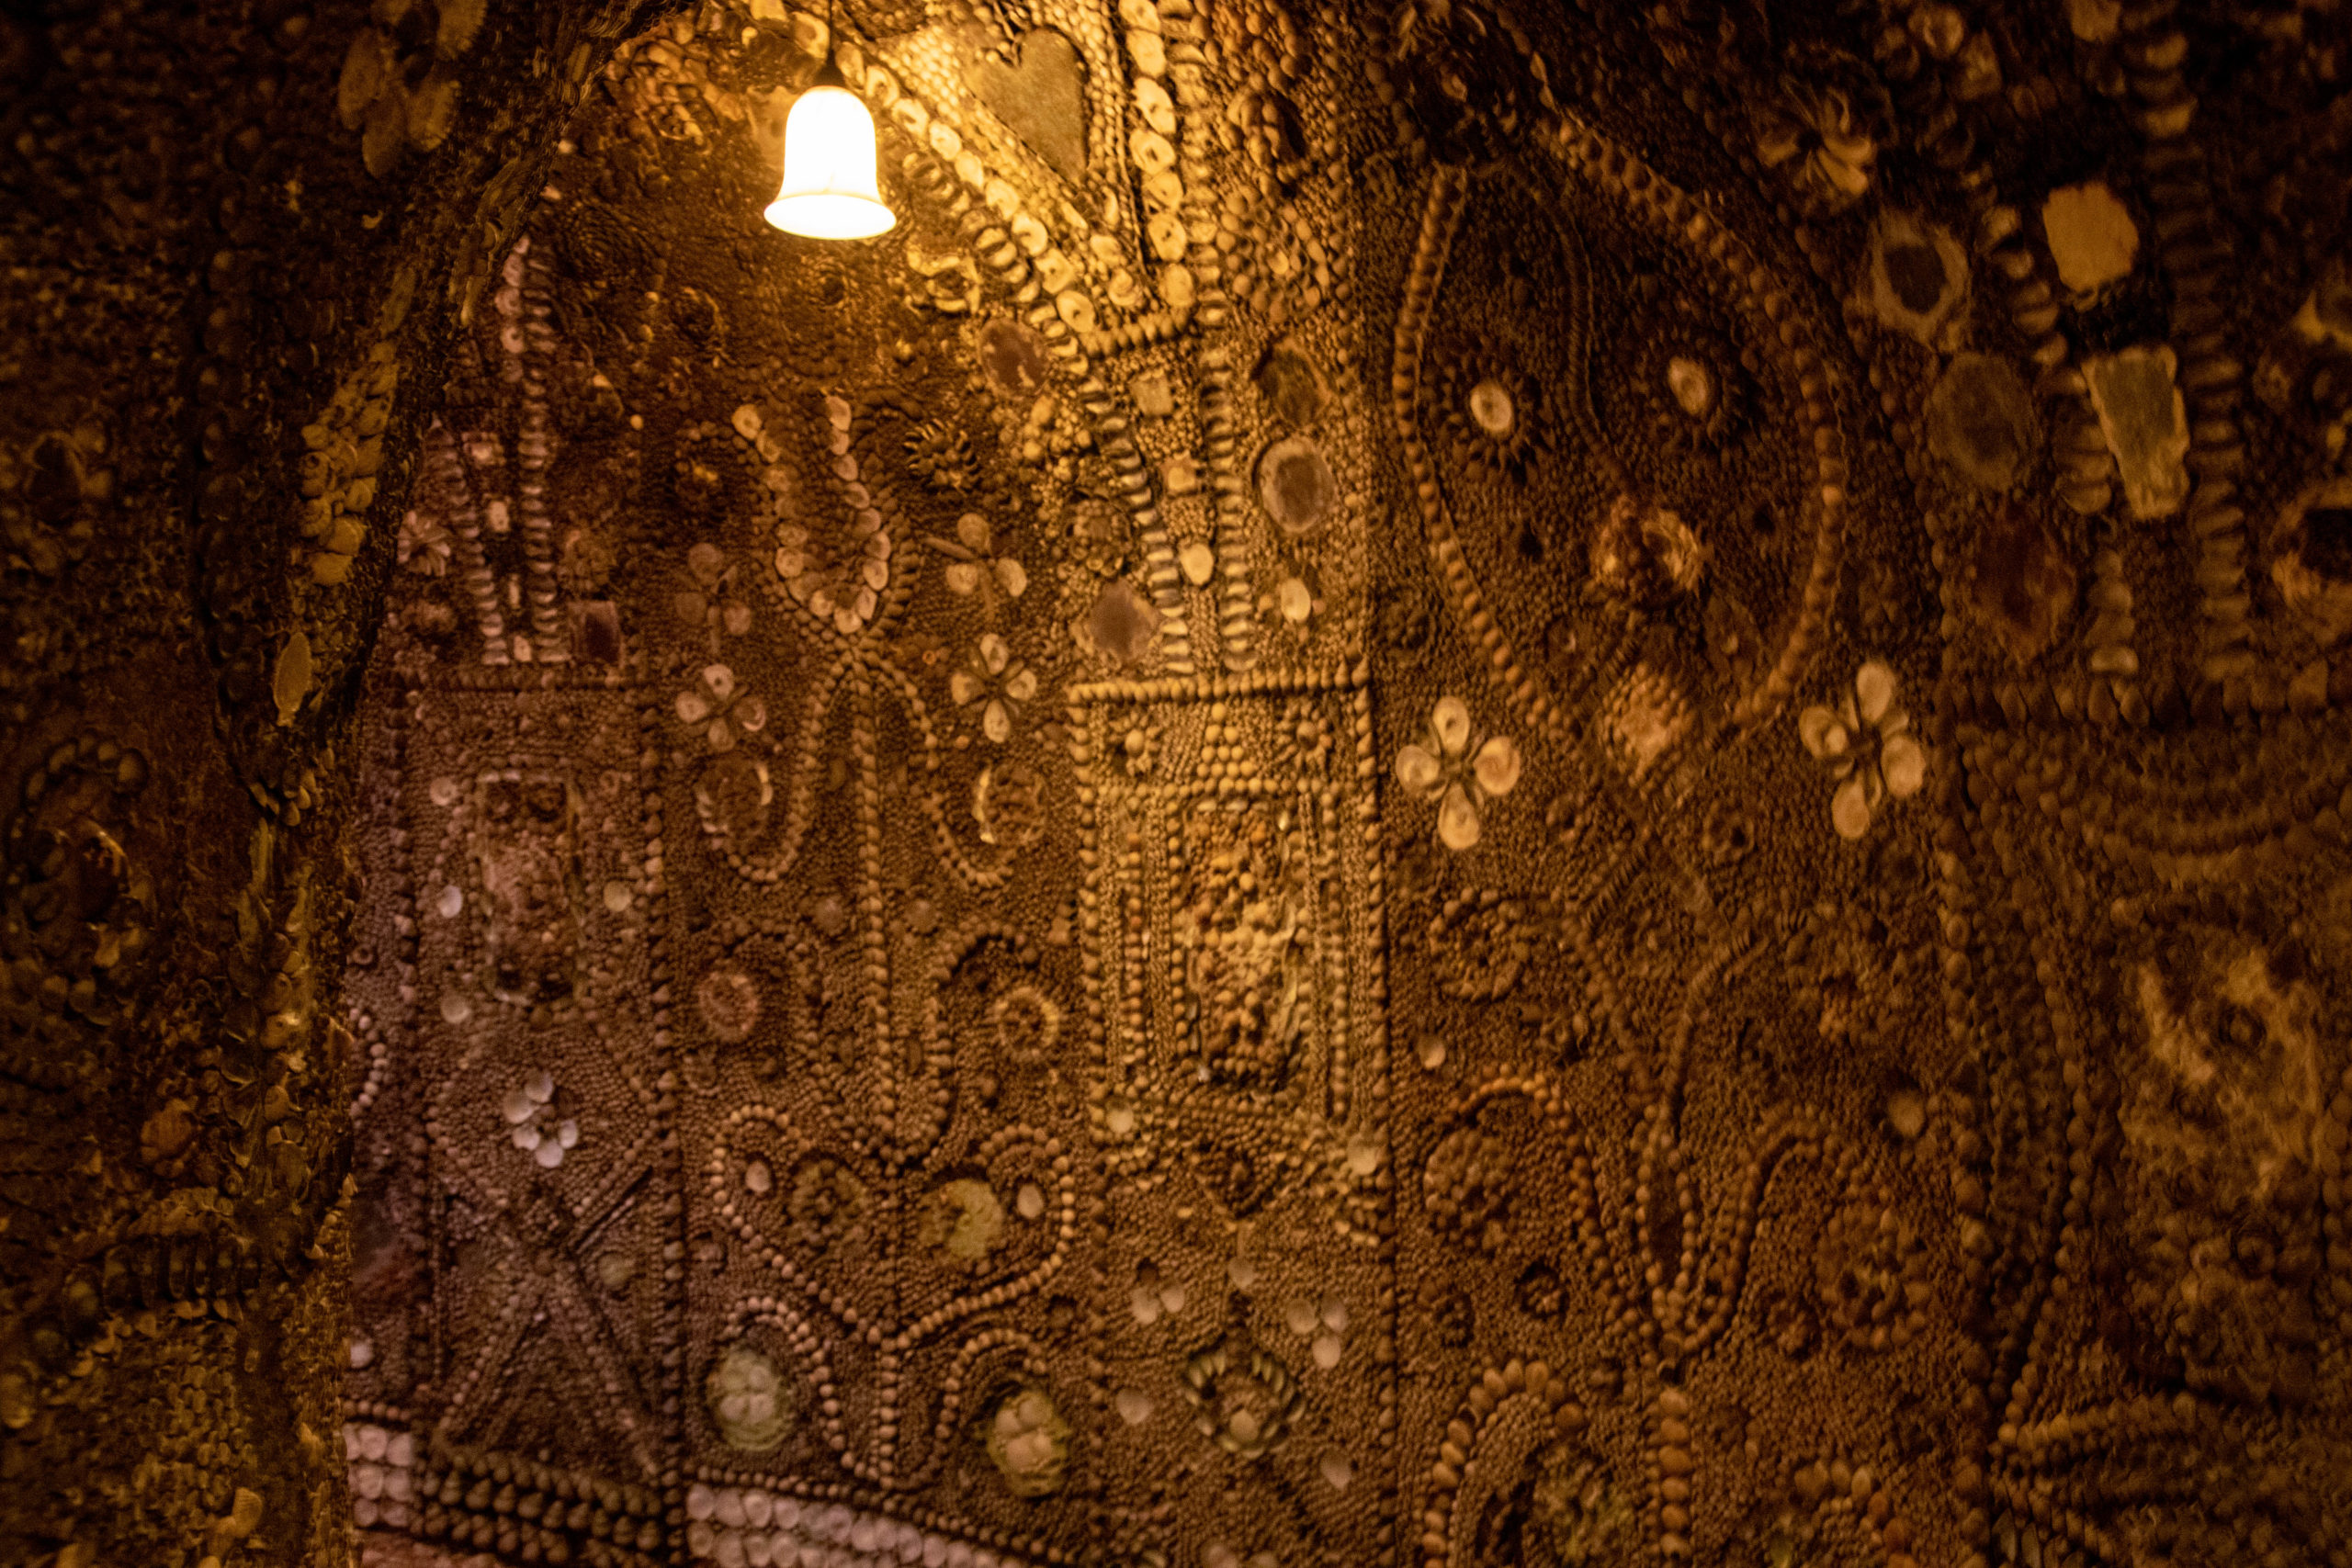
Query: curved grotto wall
1440, 785
233, 259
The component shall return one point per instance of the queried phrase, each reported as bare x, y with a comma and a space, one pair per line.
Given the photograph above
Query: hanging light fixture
829, 191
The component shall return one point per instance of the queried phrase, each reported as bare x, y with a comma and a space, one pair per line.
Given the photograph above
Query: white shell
1874, 684
1905, 764
1457, 819
1450, 720
1497, 766
1822, 734
1418, 771
1849, 808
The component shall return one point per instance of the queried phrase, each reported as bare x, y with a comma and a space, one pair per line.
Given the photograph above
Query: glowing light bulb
829, 191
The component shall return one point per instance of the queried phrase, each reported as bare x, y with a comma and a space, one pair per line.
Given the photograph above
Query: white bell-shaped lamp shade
828, 189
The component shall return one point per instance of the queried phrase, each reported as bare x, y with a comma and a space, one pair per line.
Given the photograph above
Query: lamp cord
829, 74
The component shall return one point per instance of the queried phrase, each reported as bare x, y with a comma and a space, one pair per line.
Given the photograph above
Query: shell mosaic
1445, 784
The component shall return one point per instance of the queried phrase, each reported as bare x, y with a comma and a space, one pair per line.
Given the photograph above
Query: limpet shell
1295, 485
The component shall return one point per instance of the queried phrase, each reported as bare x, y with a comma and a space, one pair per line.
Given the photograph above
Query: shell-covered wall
224, 307
1442, 785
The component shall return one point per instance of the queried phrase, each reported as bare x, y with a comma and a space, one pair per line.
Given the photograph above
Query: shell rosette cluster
1460, 771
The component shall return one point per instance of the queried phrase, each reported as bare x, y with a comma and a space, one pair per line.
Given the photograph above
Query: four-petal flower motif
1462, 773
973, 565
1867, 744
723, 710
995, 683
530, 1111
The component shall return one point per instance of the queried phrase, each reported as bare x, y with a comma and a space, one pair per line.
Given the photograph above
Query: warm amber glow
828, 189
